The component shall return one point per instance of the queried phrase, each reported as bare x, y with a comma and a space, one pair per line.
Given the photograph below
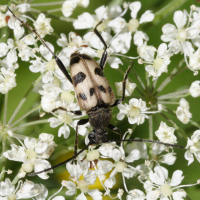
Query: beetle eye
105, 138
92, 138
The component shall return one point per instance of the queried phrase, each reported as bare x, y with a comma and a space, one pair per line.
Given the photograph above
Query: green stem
66, 19
195, 124
173, 74
5, 109
15, 180
3, 159
23, 100
172, 6
150, 133
150, 128
179, 94
30, 124
47, 4
24, 116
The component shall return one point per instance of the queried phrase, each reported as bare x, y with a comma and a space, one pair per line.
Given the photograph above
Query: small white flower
135, 111
121, 166
68, 7
168, 158
33, 153
2, 20
42, 25
83, 3
178, 37
24, 190
136, 195
194, 62
166, 134
7, 80
193, 146
182, 112
129, 88
195, 89
84, 20
82, 185
134, 23
158, 64
161, 187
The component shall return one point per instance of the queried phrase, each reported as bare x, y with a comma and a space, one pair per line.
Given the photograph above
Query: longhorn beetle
92, 89
94, 94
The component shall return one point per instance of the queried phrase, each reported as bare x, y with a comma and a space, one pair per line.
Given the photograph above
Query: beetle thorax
99, 118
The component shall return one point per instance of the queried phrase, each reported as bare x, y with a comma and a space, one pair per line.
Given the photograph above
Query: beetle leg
58, 61
80, 122
115, 130
105, 54
118, 101
76, 112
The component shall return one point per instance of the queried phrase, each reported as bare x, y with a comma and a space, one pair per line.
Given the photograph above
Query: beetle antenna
55, 166
149, 141
58, 61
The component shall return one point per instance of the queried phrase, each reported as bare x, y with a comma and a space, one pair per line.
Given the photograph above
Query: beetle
94, 95
93, 92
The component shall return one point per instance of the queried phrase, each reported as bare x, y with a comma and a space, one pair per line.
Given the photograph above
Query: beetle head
98, 136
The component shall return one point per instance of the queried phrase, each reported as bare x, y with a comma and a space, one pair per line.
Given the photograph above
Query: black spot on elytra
109, 89
78, 78
76, 57
101, 88
91, 91
82, 96
99, 72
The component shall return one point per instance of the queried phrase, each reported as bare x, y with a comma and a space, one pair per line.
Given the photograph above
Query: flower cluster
154, 98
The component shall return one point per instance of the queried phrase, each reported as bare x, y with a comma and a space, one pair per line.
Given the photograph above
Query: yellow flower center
182, 35
133, 25
134, 111
166, 189
158, 62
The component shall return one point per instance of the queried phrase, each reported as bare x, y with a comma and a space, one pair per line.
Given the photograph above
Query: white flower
7, 80
178, 37
134, 23
158, 64
193, 146
194, 62
129, 88
2, 20
166, 134
121, 166
83, 3
182, 112
83, 186
161, 187
119, 24
42, 25
24, 190
135, 111
195, 89
68, 7
16, 26
84, 20
33, 154
136, 195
